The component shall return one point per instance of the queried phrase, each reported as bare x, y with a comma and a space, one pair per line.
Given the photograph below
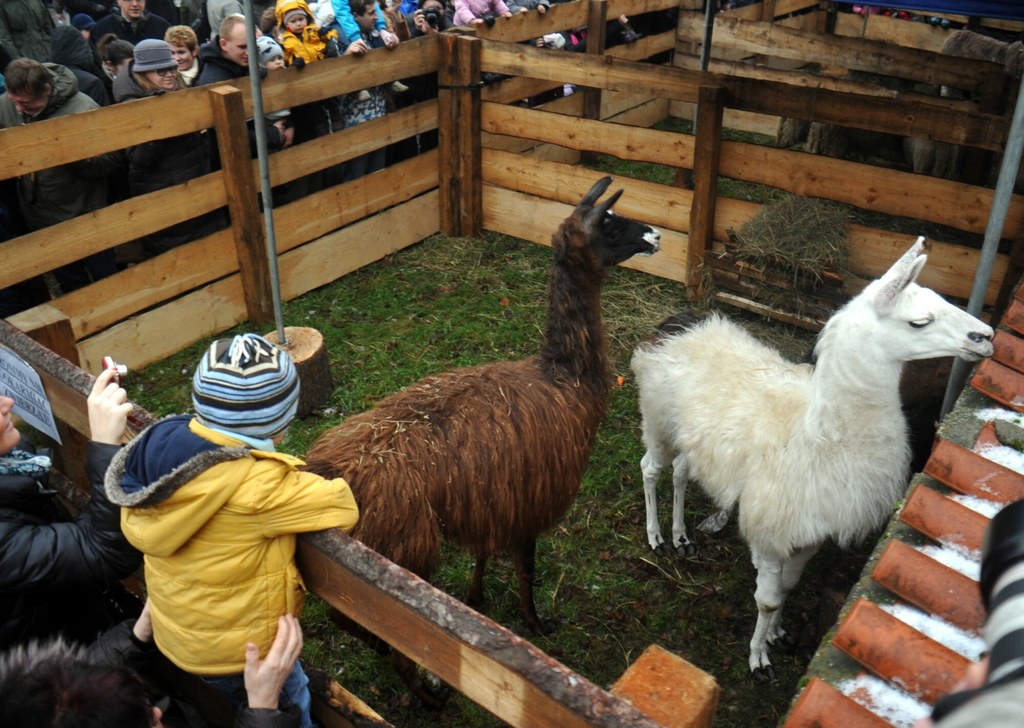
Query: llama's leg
768, 596
525, 558
475, 597
431, 696
792, 568
650, 467
775, 579
680, 476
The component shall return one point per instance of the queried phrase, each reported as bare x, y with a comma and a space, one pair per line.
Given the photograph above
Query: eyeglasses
166, 71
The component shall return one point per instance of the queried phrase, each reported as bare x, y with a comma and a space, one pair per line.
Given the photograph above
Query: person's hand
974, 677
264, 679
476, 21
356, 48
109, 408
143, 628
420, 21
389, 38
542, 9
521, 10
509, 14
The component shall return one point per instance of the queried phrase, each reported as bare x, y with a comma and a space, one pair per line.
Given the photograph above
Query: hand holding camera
108, 404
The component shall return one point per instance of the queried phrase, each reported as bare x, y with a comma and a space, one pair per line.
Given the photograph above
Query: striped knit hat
246, 385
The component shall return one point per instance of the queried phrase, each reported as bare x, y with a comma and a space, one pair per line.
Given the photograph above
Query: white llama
807, 452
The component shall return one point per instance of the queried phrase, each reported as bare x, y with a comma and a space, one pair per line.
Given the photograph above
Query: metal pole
709, 26
261, 154
993, 232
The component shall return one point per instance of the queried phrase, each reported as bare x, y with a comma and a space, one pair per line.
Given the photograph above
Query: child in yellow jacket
301, 38
216, 511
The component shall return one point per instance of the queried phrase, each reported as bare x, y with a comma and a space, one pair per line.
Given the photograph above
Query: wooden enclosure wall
221, 280
527, 157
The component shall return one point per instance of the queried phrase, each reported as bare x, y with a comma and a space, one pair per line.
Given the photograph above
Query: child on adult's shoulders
301, 38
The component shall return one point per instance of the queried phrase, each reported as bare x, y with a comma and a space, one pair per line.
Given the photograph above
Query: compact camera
433, 17
119, 369
1002, 591
489, 19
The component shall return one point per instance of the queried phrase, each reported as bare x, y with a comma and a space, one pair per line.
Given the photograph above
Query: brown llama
492, 456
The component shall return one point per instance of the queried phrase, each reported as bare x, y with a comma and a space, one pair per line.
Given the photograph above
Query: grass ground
453, 302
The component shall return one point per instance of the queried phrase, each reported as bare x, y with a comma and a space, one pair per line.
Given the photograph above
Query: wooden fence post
460, 177
243, 202
597, 38
707, 149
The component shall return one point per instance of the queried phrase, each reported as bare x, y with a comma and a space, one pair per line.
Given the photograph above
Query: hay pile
790, 258
801, 236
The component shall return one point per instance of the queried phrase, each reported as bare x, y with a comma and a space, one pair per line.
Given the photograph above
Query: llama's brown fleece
489, 456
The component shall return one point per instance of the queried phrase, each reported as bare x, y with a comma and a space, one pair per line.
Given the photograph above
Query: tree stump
307, 349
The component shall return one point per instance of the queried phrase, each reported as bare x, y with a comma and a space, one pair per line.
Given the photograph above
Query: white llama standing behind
807, 453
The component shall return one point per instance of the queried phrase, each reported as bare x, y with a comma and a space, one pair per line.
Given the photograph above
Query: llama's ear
595, 193
902, 273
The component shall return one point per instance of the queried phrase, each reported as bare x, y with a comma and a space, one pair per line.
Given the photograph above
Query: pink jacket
466, 10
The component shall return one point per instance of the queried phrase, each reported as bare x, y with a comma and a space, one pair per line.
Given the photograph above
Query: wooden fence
523, 157
504, 167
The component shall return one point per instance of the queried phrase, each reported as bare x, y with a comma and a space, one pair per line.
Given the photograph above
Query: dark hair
114, 50
53, 685
358, 6
27, 76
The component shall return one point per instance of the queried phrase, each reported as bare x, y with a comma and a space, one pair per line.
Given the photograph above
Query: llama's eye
920, 323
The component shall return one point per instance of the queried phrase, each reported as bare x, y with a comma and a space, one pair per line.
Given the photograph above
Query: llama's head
611, 237
904, 321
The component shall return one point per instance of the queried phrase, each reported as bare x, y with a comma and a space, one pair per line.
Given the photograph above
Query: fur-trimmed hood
164, 457
176, 476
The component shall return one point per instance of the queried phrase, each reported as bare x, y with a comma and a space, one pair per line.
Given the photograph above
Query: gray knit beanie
246, 385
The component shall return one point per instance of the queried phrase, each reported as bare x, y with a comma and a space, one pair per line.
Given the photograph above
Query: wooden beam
243, 202
596, 40
707, 152
459, 135
888, 115
500, 671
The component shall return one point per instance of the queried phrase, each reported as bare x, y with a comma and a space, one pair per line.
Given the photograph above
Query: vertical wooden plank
597, 39
243, 201
56, 335
706, 154
51, 327
458, 122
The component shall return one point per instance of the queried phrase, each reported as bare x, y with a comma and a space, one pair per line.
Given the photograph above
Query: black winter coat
164, 163
148, 26
55, 572
217, 68
71, 50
